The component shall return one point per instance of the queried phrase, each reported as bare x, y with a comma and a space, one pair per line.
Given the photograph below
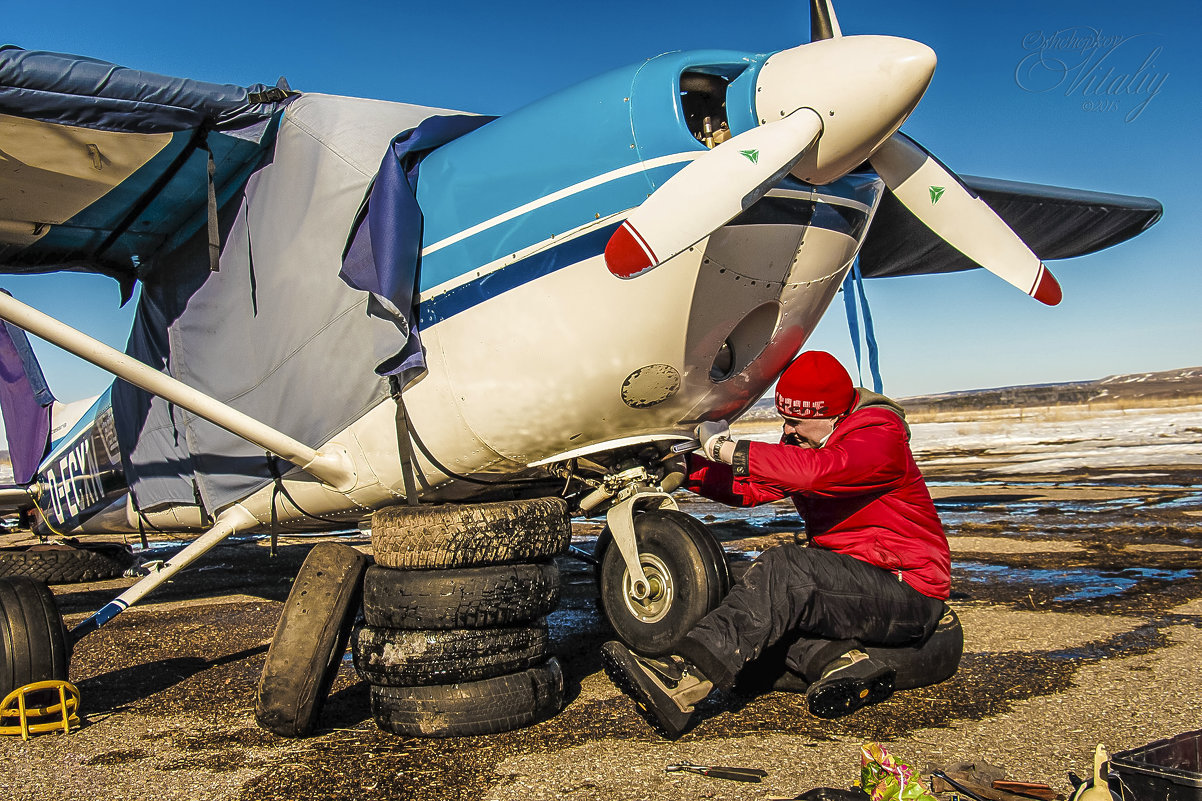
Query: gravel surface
1082, 618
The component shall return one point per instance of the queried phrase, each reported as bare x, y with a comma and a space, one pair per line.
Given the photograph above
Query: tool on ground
960, 788
716, 772
1031, 789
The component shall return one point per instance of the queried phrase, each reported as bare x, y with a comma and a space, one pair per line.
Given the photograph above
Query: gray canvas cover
275, 333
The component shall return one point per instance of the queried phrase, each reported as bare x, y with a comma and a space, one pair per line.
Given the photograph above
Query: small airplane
357, 304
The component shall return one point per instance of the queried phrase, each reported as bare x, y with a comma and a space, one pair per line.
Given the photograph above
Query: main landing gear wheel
310, 639
687, 577
33, 641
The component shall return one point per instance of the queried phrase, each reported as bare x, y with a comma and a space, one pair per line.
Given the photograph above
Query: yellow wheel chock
57, 716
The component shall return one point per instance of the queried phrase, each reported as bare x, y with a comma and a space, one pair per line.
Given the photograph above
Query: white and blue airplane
562, 293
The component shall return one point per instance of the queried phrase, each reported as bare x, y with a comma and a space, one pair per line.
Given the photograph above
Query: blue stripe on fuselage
769, 211
463, 297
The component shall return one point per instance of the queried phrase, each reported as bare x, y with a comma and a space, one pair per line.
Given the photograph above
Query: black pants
835, 602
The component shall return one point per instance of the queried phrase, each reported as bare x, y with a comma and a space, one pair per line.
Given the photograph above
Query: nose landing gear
681, 576
659, 570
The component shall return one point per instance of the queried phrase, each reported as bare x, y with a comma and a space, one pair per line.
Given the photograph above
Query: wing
104, 167
1055, 223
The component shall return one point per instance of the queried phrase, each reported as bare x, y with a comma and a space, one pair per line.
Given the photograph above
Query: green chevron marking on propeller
936, 193
752, 155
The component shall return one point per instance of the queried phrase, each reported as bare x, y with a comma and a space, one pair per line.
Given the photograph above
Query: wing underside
102, 168
1056, 223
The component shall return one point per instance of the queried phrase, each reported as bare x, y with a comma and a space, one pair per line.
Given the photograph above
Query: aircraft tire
67, 564
471, 708
310, 639
720, 573
33, 640
395, 658
459, 598
687, 583
718, 567
470, 535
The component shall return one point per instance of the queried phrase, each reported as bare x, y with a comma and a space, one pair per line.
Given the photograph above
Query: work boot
850, 682
665, 690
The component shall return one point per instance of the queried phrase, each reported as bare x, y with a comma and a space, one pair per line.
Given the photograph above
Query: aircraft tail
25, 402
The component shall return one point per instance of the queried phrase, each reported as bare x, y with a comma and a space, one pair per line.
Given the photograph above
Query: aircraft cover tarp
105, 167
87, 92
382, 255
275, 333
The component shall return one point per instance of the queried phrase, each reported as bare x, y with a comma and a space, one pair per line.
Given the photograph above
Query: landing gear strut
660, 571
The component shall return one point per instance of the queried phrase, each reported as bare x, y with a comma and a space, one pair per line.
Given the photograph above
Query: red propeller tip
1047, 289
627, 254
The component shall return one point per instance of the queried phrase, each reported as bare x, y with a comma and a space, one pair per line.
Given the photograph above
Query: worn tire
396, 658
671, 547
310, 639
459, 598
66, 564
33, 640
471, 708
470, 535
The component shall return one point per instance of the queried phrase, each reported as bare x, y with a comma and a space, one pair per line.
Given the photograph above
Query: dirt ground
1080, 595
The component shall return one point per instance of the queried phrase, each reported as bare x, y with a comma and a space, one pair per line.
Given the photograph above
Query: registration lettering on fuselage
73, 483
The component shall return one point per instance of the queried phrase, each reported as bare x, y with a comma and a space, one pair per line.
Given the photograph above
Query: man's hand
711, 436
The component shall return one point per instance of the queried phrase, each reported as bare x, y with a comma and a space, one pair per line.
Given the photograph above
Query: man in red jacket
875, 571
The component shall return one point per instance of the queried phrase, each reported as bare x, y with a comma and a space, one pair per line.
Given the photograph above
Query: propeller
730, 178
823, 23
834, 103
936, 196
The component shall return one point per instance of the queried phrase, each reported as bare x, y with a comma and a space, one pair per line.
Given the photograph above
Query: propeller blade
935, 195
823, 23
709, 192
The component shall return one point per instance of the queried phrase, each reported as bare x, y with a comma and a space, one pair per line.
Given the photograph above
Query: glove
711, 436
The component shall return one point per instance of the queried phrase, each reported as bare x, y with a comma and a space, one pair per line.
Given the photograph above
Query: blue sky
1129, 309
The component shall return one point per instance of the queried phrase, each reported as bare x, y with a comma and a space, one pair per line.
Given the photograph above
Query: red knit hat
814, 385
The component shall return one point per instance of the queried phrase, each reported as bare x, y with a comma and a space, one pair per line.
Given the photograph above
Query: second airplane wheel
684, 584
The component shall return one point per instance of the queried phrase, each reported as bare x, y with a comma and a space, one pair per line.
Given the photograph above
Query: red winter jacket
860, 493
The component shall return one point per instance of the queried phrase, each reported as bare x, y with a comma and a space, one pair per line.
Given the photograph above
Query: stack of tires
455, 638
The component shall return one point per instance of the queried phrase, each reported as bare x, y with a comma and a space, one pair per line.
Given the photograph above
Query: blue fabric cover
384, 249
75, 90
25, 402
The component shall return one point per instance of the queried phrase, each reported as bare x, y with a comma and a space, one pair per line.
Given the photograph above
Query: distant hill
1134, 388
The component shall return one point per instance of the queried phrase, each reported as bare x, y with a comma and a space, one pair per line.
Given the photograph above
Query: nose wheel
685, 577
